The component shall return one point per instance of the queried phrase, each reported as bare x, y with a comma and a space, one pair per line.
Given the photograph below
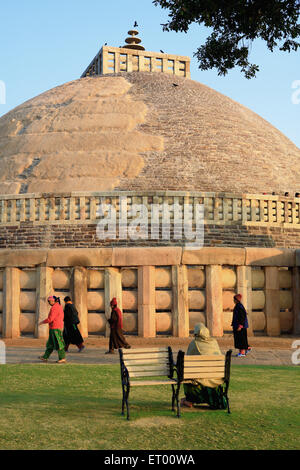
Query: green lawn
50, 406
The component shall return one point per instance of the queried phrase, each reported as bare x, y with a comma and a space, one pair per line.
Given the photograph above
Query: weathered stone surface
163, 277
20, 258
79, 297
196, 277
146, 301
258, 321
28, 279
27, 323
95, 279
180, 301
114, 129
96, 300
272, 307
79, 257
270, 257
96, 323
197, 299
11, 303
112, 288
44, 289
164, 322
146, 256
61, 279
228, 278
296, 300
194, 318
129, 277
214, 300
258, 278
214, 256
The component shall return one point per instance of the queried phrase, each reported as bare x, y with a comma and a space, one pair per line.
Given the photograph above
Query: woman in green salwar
208, 391
56, 324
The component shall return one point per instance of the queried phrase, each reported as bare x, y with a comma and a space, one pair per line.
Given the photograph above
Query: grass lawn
50, 406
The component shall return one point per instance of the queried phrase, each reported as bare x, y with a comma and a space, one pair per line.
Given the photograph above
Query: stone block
21, 258
146, 256
129, 277
180, 304
164, 322
79, 297
214, 256
11, 303
196, 277
44, 288
214, 300
146, 302
63, 257
270, 257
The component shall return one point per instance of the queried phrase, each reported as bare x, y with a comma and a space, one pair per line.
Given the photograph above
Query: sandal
186, 403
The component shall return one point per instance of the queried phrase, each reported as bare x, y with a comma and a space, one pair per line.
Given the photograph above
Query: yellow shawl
203, 344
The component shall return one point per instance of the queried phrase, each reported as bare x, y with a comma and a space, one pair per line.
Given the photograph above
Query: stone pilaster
272, 307
296, 300
146, 302
113, 288
214, 300
79, 294
11, 303
180, 310
44, 289
244, 287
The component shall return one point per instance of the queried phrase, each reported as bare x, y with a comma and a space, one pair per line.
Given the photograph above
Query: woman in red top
56, 325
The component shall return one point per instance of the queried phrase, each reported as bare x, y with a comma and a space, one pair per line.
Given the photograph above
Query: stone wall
70, 220
160, 290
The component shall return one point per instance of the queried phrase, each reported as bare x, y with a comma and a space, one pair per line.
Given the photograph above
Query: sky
45, 44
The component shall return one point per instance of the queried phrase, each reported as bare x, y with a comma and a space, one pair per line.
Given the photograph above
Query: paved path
92, 355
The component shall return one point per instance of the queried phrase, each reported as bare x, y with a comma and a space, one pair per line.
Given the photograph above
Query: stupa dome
142, 131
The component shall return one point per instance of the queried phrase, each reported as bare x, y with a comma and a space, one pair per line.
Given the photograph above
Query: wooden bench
193, 368
155, 364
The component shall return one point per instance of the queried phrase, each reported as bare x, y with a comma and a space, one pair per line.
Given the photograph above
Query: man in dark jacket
240, 325
72, 334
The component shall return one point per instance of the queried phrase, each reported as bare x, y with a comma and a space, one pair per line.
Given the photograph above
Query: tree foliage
235, 25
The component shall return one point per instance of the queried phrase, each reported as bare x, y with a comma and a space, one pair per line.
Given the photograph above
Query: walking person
116, 338
56, 324
71, 332
240, 325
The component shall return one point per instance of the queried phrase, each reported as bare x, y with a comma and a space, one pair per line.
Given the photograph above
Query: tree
235, 25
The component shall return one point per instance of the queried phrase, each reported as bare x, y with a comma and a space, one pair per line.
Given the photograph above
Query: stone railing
83, 207
161, 290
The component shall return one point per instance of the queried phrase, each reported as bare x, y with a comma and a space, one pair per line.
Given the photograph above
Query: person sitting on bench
207, 391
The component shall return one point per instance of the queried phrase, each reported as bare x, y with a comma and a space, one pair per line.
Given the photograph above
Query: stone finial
133, 42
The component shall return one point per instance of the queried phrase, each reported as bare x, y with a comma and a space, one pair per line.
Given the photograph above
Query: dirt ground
261, 342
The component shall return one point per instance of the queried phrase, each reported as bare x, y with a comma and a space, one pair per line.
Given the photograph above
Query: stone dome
142, 131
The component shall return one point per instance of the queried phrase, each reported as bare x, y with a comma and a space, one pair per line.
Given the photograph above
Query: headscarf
114, 306
113, 302
203, 343
238, 297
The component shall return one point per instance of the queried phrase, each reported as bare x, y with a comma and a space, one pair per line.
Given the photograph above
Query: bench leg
123, 399
126, 399
175, 398
228, 408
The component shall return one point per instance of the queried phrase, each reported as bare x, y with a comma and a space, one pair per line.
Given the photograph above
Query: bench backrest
204, 367
147, 362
